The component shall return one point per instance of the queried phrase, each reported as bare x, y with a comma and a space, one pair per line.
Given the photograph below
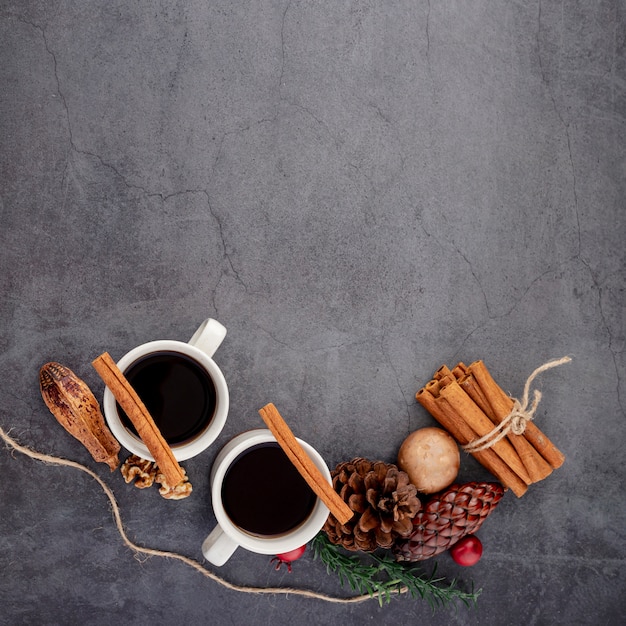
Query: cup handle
209, 336
218, 547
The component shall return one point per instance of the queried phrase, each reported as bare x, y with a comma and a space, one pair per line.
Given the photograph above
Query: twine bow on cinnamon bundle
496, 429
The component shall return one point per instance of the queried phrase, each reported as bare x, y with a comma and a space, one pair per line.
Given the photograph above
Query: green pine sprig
383, 577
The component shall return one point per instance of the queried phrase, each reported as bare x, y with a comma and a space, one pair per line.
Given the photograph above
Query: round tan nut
431, 458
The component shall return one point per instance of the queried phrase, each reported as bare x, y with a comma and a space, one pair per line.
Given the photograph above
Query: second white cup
270, 501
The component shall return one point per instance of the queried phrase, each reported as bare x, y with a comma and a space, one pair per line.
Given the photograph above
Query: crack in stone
282, 47
274, 338
310, 113
73, 147
428, 33
57, 80
60, 93
380, 113
318, 350
238, 131
396, 376
492, 317
132, 186
579, 255
429, 68
220, 231
564, 124
607, 329
603, 318
517, 301
478, 282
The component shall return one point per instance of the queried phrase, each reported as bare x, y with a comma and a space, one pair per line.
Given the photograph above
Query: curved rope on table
53, 460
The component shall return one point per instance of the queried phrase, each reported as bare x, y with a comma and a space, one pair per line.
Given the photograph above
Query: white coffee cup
226, 537
201, 347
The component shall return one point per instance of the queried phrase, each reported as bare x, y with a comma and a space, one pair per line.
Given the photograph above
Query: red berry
289, 557
467, 551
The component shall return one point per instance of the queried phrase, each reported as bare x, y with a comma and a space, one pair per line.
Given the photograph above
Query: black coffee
177, 391
264, 494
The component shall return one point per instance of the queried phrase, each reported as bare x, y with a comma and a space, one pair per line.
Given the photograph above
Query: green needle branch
383, 577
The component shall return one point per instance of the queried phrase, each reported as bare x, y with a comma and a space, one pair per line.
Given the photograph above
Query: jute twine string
53, 460
521, 413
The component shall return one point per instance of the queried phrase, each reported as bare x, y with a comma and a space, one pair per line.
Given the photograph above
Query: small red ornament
467, 551
288, 557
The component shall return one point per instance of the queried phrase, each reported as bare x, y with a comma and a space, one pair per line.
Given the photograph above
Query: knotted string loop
515, 422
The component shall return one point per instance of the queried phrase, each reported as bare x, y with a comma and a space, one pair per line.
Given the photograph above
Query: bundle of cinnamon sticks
468, 403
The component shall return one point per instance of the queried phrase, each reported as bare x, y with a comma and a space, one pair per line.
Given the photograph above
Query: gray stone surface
359, 192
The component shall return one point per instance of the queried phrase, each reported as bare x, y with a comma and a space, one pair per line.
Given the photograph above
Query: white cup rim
264, 545
185, 450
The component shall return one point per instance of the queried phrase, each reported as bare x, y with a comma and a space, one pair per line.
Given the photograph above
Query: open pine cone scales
446, 518
384, 502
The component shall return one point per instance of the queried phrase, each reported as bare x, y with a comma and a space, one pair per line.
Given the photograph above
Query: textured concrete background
359, 191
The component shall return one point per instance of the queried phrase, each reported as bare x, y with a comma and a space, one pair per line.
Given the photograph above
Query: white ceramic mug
201, 347
226, 537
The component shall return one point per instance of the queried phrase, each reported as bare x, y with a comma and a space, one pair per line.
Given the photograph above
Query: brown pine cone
448, 516
384, 502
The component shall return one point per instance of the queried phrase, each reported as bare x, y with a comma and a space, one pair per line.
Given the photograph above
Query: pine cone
448, 516
384, 502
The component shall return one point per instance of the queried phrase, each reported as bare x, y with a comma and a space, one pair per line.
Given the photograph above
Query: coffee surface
178, 393
264, 494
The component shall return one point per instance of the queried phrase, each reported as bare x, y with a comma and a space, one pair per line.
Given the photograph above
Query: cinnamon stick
459, 429
472, 389
433, 387
446, 380
136, 410
502, 405
459, 370
535, 465
303, 463
442, 372
481, 425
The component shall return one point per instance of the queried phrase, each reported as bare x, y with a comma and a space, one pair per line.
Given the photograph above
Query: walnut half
177, 492
141, 471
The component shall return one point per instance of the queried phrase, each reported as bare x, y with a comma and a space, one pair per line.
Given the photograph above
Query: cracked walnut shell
176, 492
139, 471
